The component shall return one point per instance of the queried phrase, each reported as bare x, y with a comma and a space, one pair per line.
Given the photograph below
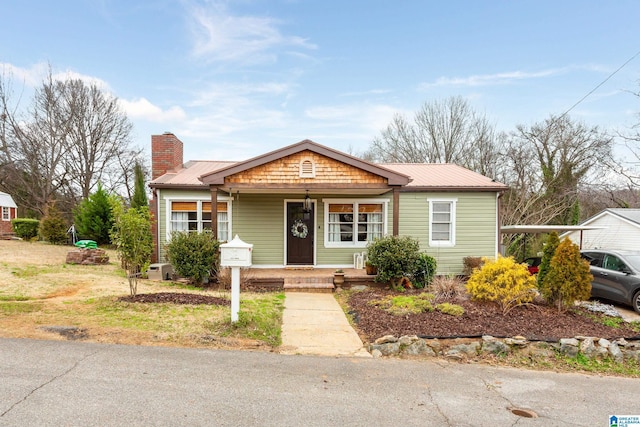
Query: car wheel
635, 302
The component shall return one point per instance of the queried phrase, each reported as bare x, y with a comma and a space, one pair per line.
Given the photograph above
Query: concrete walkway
314, 323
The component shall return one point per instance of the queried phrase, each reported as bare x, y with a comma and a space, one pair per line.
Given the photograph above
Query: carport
538, 229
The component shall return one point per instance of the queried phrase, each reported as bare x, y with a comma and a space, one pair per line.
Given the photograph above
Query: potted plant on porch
338, 278
370, 269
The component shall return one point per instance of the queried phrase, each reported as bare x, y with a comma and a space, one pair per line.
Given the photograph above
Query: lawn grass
49, 292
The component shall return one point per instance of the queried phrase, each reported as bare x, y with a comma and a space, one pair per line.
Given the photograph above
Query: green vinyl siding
259, 219
475, 226
170, 194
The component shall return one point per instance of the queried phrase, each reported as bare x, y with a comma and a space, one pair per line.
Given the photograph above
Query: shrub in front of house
425, 271
25, 228
471, 263
194, 256
53, 228
395, 258
134, 243
568, 279
503, 281
550, 246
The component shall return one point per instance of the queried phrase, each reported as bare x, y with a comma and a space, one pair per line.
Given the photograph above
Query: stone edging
462, 348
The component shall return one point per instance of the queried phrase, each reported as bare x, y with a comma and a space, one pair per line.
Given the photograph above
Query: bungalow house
9, 212
307, 205
613, 228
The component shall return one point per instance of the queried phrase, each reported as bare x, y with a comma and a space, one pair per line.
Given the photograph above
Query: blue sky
234, 79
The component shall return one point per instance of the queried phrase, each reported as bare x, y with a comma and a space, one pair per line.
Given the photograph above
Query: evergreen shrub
25, 228
425, 271
548, 250
53, 227
395, 258
568, 279
194, 256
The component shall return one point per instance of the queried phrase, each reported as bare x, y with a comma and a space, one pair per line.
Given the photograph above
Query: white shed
617, 229
8, 211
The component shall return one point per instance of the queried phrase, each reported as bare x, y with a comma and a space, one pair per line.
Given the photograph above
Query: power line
598, 86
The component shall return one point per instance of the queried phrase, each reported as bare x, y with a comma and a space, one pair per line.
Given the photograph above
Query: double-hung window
6, 213
354, 224
442, 222
195, 216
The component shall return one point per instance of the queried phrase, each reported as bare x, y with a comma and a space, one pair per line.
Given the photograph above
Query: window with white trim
6, 213
354, 224
195, 216
442, 222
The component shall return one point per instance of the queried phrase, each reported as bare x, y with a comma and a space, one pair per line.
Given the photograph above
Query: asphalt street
63, 383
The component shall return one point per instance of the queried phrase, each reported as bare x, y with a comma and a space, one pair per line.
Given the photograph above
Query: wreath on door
299, 229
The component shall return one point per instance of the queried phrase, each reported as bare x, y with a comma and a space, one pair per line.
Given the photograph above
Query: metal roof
444, 176
7, 201
424, 176
536, 229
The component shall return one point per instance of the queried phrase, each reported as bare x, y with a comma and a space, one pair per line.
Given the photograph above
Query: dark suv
616, 275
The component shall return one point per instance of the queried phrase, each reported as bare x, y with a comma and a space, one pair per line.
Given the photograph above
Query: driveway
52, 383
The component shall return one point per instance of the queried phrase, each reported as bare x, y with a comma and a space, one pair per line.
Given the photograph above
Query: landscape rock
516, 341
418, 348
615, 352
87, 257
461, 349
386, 339
587, 347
387, 349
435, 345
469, 350
407, 340
494, 346
454, 354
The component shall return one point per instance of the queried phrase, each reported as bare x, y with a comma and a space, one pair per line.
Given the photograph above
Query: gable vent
307, 169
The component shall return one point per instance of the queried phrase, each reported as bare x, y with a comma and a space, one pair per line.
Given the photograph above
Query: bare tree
72, 137
99, 134
441, 132
565, 154
33, 148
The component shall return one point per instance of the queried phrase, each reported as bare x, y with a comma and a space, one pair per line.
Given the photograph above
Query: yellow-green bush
451, 309
401, 305
503, 281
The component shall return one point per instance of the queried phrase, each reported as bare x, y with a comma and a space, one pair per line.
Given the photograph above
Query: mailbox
235, 253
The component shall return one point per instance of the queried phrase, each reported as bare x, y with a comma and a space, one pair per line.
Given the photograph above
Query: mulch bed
176, 298
534, 322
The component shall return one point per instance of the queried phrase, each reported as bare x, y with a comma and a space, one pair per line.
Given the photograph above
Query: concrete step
309, 284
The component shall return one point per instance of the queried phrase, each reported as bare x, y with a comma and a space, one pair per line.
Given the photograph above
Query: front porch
302, 279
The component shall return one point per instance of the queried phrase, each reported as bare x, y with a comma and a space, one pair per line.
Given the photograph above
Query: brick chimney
166, 154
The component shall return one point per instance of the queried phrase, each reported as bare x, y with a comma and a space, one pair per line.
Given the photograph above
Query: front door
300, 234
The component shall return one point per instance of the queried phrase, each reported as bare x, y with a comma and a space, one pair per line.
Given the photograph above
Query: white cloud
34, 76
31, 77
143, 109
232, 95
492, 79
221, 36
368, 92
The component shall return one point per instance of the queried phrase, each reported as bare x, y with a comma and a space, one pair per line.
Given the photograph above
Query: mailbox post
235, 254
